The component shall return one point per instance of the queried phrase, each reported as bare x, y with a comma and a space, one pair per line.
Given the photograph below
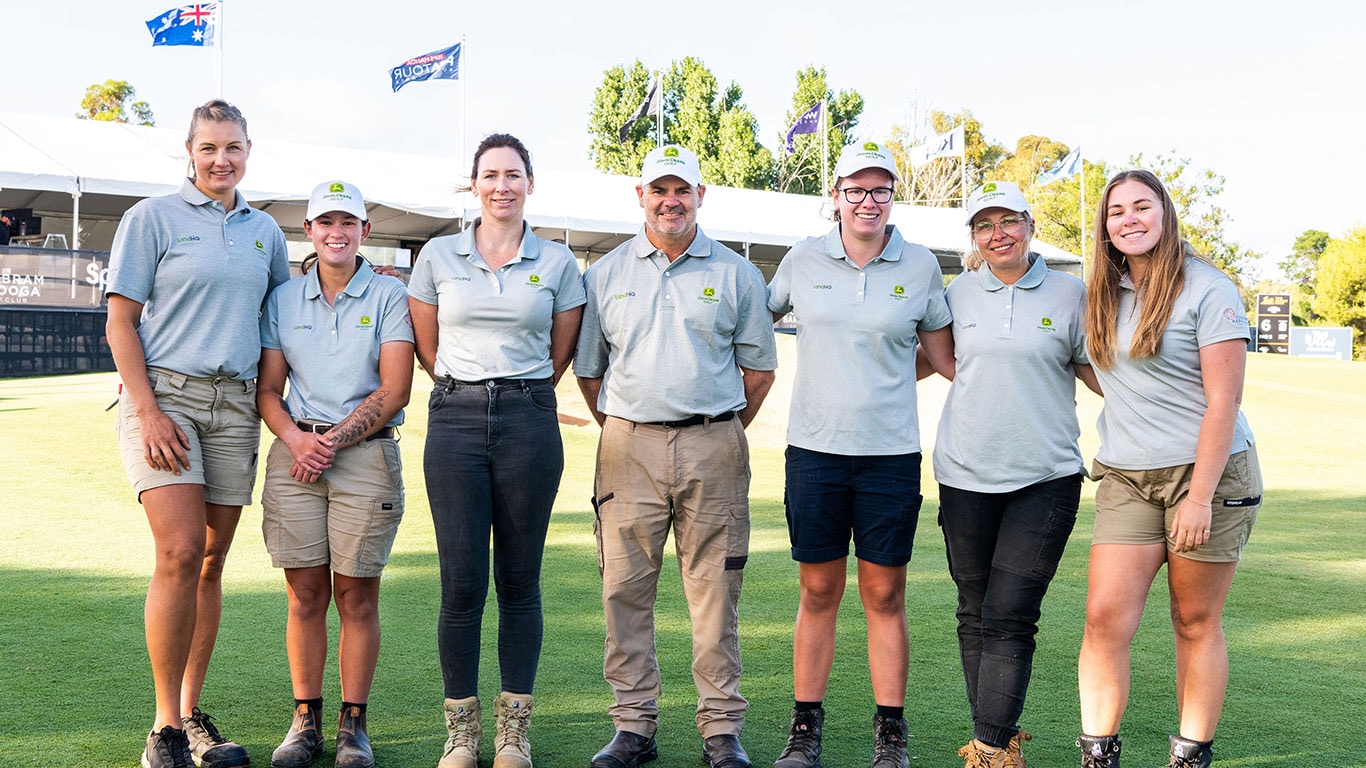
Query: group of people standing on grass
670, 337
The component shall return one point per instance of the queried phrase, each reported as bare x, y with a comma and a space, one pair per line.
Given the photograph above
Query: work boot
304, 741
803, 748
167, 748
889, 742
353, 743
1190, 754
978, 754
1015, 750
464, 730
512, 720
208, 747
1099, 751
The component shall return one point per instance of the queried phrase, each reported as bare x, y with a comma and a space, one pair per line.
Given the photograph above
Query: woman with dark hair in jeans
496, 314
1006, 457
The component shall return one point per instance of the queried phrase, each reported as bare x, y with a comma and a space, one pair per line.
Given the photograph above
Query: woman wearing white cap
1177, 471
1006, 457
864, 300
341, 336
496, 314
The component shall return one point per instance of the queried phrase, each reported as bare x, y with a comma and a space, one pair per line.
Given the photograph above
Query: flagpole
825, 185
463, 63
963, 167
1081, 161
659, 114
218, 45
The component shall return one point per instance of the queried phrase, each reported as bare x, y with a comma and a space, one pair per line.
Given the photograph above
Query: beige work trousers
694, 480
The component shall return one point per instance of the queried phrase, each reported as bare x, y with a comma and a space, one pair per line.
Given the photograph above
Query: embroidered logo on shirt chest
708, 296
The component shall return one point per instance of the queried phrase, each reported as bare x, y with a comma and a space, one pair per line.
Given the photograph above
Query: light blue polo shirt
854, 392
201, 278
1153, 405
1010, 419
495, 324
666, 337
333, 350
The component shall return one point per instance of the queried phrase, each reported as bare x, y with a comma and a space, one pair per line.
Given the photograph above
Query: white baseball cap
336, 196
869, 154
671, 160
996, 194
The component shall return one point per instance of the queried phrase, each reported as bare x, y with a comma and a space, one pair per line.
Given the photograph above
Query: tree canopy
112, 101
1340, 295
800, 172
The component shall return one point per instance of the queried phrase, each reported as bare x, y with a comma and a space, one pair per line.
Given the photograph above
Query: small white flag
1065, 168
942, 145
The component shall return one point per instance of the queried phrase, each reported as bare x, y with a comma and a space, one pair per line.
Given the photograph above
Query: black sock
891, 713
808, 706
349, 704
312, 703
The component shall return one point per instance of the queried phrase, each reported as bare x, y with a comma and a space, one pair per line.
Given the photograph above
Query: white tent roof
412, 198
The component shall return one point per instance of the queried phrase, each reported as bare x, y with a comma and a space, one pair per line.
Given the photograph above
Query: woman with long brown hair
1179, 482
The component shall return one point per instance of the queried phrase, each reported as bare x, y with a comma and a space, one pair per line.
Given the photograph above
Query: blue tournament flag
187, 25
1065, 168
442, 65
809, 122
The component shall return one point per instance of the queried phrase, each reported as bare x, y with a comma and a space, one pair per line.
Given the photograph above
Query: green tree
1301, 267
113, 102
1340, 296
716, 126
1058, 208
800, 172
1032, 156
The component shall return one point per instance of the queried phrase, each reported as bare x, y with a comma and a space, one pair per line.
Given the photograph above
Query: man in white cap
675, 356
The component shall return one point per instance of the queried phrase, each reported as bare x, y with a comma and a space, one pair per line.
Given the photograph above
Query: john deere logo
260, 247
534, 279
671, 151
708, 296
899, 290
1047, 322
337, 186
365, 320
708, 291
870, 146
990, 186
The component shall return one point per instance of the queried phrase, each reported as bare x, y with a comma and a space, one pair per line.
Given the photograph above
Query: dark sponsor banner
1273, 323
44, 278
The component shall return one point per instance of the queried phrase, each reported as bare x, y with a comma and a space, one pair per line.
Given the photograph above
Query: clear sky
1270, 95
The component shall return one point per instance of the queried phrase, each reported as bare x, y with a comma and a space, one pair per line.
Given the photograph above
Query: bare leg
1198, 591
221, 524
1117, 587
883, 590
358, 648
310, 593
176, 516
813, 641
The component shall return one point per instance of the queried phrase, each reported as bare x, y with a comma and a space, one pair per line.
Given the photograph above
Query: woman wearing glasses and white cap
864, 300
333, 499
1006, 457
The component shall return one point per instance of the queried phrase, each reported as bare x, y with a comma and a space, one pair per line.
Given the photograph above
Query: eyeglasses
856, 195
1011, 225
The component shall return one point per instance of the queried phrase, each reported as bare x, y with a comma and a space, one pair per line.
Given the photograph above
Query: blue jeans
1003, 550
493, 463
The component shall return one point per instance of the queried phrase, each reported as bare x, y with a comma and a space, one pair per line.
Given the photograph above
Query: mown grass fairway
75, 556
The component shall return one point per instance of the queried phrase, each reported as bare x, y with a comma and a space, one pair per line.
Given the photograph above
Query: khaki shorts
347, 520
218, 416
1137, 506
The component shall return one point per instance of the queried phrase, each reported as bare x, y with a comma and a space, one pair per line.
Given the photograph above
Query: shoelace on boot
204, 722
176, 751
462, 734
513, 725
805, 736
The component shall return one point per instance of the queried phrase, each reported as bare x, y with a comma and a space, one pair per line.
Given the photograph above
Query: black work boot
304, 741
1099, 751
889, 742
1190, 754
803, 748
353, 743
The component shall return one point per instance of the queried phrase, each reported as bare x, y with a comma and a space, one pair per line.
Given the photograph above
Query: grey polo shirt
1010, 419
495, 324
1153, 406
201, 278
666, 337
854, 392
333, 350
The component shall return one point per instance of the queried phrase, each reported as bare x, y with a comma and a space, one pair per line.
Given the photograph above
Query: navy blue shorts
830, 497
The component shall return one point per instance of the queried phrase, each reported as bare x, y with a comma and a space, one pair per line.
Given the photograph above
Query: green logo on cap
671, 151
337, 186
870, 146
989, 187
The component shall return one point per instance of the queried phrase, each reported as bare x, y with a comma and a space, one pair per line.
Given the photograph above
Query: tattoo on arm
358, 424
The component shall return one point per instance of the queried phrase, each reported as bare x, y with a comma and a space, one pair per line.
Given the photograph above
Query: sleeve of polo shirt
590, 355
139, 243
755, 347
394, 322
422, 283
780, 290
270, 322
937, 313
1079, 330
1220, 315
569, 293
279, 260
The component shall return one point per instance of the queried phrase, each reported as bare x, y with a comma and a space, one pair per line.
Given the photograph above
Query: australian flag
186, 25
443, 65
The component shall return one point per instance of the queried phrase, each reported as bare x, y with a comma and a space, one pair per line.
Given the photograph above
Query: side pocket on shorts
393, 463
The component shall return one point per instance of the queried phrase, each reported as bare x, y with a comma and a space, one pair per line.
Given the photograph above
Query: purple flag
809, 122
